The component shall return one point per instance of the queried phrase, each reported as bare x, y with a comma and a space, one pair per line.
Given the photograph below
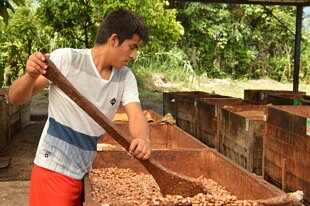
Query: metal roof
270, 2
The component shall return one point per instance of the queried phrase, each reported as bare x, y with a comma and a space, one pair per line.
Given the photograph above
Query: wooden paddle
168, 181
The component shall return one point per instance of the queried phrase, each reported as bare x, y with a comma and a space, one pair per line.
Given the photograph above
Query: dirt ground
16, 160
17, 157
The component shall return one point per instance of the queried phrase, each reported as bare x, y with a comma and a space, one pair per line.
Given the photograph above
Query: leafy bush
173, 64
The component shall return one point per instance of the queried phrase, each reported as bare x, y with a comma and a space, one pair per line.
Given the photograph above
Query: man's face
126, 52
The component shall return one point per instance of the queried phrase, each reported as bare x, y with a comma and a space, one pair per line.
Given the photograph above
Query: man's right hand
36, 65
31, 83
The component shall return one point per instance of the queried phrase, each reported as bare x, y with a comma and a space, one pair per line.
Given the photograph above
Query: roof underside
270, 2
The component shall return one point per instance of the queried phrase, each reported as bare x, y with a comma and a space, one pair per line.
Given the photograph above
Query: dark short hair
124, 23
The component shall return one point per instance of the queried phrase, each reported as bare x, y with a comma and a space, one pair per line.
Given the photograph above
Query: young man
67, 146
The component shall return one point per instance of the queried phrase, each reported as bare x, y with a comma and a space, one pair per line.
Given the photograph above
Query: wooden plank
4, 123
5, 161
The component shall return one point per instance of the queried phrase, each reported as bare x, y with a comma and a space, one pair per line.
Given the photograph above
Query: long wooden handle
168, 181
54, 75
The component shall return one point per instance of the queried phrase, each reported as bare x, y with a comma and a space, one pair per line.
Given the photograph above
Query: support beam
262, 2
297, 48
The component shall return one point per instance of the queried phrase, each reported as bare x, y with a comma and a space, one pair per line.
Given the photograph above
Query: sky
306, 21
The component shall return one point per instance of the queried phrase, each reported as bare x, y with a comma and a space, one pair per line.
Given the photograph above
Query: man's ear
113, 40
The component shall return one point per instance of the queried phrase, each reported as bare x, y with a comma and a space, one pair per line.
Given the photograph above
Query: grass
227, 87
155, 97
171, 71
153, 100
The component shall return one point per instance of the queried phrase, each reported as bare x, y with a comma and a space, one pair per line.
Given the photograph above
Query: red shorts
51, 188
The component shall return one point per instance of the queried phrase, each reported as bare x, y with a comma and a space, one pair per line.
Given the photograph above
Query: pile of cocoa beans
116, 186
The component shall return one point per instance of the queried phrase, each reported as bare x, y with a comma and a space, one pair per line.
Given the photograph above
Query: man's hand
140, 148
35, 65
30, 83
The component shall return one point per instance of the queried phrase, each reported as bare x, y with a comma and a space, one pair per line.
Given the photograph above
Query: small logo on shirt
46, 154
113, 101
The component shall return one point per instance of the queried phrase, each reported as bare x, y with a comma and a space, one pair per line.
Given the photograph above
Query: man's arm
24, 88
140, 146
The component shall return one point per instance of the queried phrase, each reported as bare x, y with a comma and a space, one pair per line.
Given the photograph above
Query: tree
240, 40
50, 24
77, 20
5, 5
161, 20
17, 41
72, 19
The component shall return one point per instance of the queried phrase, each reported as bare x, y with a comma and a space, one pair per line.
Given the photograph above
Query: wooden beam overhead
266, 2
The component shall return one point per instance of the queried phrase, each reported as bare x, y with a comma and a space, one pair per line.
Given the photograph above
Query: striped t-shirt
69, 138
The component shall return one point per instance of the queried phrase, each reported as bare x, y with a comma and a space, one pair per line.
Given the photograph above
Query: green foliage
238, 40
50, 24
163, 27
279, 67
17, 41
5, 5
164, 61
71, 19
173, 64
305, 58
187, 39
151, 97
77, 20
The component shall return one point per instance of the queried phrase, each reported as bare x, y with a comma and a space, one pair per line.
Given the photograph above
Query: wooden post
283, 178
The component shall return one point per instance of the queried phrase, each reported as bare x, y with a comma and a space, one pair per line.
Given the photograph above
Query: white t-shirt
69, 138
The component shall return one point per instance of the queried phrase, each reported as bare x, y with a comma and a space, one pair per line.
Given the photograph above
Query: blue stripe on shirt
67, 134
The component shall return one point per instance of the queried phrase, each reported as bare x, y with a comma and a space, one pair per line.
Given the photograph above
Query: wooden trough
287, 148
170, 100
241, 133
287, 99
261, 96
12, 118
163, 136
181, 152
194, 163
151, 116
208, 118
187, 111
